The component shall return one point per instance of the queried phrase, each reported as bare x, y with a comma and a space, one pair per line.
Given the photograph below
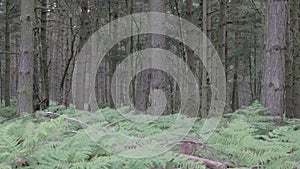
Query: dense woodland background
257, 41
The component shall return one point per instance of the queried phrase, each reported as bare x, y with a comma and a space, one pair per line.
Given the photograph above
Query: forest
150, 84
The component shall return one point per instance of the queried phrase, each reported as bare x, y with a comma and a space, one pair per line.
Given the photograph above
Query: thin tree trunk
205, 85
8, 55
235, 94
289, 107
223, 31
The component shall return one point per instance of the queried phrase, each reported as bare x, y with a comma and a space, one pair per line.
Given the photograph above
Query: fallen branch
67, 119
49, 113
208, 163
196, 142
69, 131
114, 123
76, 121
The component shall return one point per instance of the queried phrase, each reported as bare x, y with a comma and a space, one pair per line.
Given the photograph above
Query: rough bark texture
25, 79
274, 68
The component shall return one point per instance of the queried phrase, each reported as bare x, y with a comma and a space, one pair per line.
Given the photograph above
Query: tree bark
235, 93
25, 79
274, 68
223, 31
83, 33
8, 55
205, 85
44, 58
296, 56
158, 77
222, 43
151, 78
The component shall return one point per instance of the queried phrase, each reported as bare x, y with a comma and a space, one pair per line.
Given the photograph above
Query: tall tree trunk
8, 55
129, 48
25, 85
235, 94
274, 68
223, 31
83, 33
190, 54
222, 40
205, 85
296, 55
289, 87
158, 77
44, 58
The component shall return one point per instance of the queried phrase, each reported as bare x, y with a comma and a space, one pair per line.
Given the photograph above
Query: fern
246, 138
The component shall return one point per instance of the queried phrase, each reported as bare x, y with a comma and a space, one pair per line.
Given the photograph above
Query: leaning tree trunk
25, 79
274, 69
7, 57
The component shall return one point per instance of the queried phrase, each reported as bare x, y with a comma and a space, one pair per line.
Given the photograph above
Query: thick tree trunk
222, 41
25, 85
158, 77
83, 33
154, 78
274, 68
8, 55
296, 55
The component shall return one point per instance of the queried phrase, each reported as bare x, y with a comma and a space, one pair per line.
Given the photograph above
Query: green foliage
8, 112
62, 140
251, 138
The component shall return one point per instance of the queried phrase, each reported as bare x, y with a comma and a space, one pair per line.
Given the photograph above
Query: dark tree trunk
44, 58
8, 55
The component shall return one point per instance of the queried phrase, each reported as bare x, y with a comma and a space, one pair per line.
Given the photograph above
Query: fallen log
208, 163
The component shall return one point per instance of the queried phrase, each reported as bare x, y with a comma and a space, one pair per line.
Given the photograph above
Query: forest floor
63, 138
